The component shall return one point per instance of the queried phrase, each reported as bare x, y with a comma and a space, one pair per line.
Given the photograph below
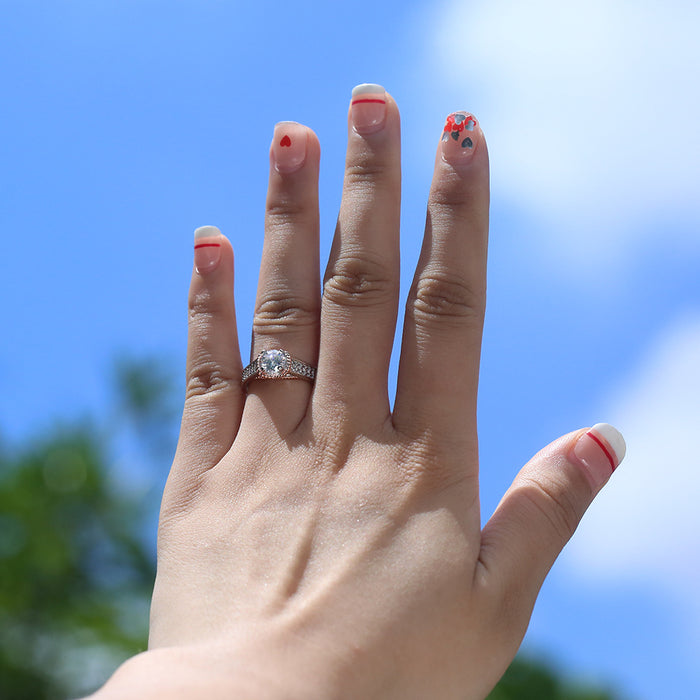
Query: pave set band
277, 364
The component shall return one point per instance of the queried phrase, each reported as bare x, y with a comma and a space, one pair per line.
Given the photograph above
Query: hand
313, 543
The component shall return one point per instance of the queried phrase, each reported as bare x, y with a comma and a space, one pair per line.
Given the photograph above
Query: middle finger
361, 287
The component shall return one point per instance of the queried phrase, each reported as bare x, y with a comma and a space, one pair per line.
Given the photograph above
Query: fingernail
288, 147
207, 248
599, 451
368, 108
459, 137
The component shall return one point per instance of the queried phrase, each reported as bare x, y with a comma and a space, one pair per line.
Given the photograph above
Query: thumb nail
599, 451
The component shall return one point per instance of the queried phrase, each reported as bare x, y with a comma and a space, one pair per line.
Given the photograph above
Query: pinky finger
214, 398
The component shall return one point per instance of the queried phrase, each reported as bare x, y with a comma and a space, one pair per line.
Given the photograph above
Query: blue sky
128, 124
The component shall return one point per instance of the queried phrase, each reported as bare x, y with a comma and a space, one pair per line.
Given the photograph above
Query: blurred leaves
76, 552
75, 572
528, 679
147, 403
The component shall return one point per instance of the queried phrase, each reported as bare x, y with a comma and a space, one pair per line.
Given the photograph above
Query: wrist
181, 673
218, 672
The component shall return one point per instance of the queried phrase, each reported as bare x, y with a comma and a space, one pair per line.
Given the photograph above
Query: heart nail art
456, 124
288, 146
460, 137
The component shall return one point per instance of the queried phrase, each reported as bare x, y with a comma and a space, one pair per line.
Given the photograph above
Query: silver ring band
277, 364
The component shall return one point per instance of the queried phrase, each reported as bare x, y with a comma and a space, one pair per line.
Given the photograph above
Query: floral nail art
456, 125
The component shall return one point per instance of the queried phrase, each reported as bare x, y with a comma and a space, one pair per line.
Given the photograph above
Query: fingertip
372, 109
206, 231
613, 438
313, 145
461, 174
598, 451
294, 147
209, 247
462, 142
289, 147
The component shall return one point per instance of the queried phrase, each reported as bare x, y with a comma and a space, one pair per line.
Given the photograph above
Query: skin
313, 543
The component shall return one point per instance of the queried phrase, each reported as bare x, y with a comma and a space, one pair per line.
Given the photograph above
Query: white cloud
644, 527
591, 109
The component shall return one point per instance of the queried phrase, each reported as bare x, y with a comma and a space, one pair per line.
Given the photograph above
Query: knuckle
428, 463
358, 280
205, 378
282, 211
278, 311
203, 304
442, 297
449, 201
452, 209
365, 172
557, 504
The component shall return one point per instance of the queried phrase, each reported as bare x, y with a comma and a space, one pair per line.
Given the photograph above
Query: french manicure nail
207, 248
459, 137
288, 146
368, 108
599, 451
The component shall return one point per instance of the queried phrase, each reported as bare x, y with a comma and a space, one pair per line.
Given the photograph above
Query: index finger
441, 347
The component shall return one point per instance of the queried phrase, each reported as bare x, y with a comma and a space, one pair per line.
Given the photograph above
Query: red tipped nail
368, 108
599, 451
207, 248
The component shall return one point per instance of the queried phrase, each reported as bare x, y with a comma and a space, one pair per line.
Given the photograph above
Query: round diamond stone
273, 363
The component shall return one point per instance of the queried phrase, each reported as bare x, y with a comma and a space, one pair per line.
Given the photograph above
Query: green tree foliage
77, 555
528, 679
75, 575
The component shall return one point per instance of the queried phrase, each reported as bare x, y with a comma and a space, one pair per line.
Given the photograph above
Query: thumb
543, 507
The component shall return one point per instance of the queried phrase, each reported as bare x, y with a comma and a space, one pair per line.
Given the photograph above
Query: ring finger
287, 307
